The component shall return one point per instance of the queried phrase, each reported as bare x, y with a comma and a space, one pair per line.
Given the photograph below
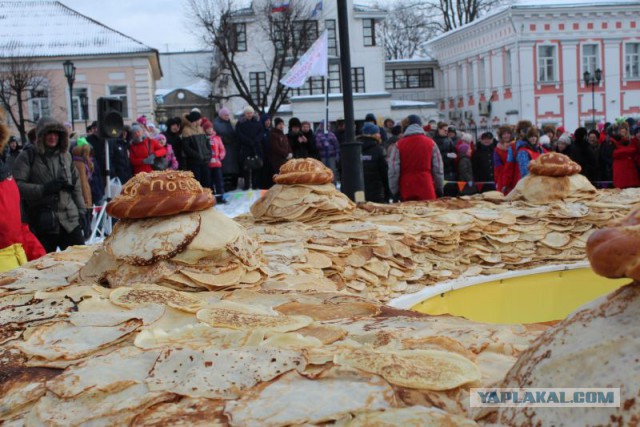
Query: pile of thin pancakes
303, 192
149, 355
385, 251
187, 245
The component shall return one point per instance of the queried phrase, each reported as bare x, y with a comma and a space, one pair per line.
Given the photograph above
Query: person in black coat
374, 165
249, 133
119, 160
301, 146
172, 134
482, 161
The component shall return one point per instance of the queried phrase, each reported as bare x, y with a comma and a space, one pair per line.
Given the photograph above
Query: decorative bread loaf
160, 193
615, 251
554, 164
304, 171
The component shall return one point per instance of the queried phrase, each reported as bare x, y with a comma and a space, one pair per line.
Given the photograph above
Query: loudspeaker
110, 122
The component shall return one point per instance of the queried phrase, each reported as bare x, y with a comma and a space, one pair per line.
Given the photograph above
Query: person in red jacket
511, 172
416, 171
143, 151
626, 159
17, 244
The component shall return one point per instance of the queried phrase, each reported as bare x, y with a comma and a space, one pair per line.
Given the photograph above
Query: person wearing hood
175, 140
417, 170
231, 163
374, 165
591, 167
13, 150
50, 187
301, 146
143, 151
500, 155
465, 168
215, 164
328, 148
196, 147
511, 173
529, 150
249, 132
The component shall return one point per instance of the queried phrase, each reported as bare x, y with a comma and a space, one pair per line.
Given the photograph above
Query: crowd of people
61, 176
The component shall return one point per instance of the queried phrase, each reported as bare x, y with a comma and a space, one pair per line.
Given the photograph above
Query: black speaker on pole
110, 121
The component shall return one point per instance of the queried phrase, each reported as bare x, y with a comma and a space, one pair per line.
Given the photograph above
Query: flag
279, 6
312, 63
317, 10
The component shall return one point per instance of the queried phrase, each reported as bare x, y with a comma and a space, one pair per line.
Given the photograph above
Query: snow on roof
366, 8
400, 103
409, 60
201, 88
49, 28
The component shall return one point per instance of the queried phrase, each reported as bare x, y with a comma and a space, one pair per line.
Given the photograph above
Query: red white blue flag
279, 6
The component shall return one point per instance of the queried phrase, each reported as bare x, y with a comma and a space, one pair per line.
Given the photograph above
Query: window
632, 60
39, 104
482, 78
78, 112
590, 58
238, 39
409, 79
119, 92
304, 34
507, 68
330, 26
369, 32
335, 81
357, 80
258, 85
546, 64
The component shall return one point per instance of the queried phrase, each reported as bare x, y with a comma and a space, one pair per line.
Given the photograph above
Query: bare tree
456, 13
281, 38
20, 82
409, 25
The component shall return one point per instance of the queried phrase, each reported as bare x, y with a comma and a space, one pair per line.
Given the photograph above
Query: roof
531, 5
200, 87
48, 28
410, 60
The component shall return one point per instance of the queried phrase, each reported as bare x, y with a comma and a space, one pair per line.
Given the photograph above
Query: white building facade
367, 66
528, 61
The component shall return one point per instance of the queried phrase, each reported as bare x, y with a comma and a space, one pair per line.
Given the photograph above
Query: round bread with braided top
304, 171
614, 252
160, 193
554, 164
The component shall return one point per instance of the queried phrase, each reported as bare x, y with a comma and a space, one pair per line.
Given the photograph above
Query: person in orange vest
527, 150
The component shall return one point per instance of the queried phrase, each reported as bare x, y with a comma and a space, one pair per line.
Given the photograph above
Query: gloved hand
149, 160
82, 217
54, 186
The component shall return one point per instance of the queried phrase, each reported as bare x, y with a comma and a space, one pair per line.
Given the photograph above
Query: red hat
206, 124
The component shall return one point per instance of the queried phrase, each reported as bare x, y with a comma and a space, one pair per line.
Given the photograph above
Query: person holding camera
50, 187
145, 153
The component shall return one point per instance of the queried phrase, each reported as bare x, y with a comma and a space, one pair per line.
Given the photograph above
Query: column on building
611, 78
527, 83
572, 78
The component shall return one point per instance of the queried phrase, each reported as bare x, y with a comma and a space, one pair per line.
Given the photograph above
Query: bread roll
614, 252
304, 171
554, 164
160, 193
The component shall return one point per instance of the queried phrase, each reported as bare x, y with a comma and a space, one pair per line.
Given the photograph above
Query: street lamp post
70, 74
593, 81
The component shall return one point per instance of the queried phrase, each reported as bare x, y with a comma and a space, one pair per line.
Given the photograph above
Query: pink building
528, 61
43, 34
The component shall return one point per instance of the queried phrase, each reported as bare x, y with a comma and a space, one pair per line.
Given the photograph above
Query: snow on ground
239, 202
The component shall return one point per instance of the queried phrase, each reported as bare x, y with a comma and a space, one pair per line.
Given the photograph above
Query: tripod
102, 226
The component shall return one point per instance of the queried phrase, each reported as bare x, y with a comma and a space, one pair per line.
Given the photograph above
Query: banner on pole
312, 63
279, 6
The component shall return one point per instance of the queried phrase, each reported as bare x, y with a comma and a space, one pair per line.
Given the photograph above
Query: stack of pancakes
169, 234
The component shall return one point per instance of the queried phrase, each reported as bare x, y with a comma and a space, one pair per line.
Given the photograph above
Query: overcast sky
156, 23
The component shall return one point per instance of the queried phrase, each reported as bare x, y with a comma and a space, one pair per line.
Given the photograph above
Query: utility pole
352, 181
